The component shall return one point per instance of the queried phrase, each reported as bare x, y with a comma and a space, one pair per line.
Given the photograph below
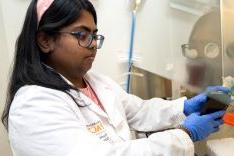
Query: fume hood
186, 45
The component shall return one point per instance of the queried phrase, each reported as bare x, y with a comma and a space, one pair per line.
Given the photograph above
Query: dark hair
28, 68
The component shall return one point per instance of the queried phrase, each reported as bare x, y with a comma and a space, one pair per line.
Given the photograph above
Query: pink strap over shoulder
42, 6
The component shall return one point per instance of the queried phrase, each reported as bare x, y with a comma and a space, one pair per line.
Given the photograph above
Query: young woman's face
68, 56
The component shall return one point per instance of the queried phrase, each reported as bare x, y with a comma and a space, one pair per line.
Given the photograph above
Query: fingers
196, 114
202, 98
217, 123
215, 129
216, 115
219, 88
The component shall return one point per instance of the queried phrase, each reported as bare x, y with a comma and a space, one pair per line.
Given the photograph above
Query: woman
57, 108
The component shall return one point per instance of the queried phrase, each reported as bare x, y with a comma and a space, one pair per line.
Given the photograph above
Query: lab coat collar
84, 100
81, 98
104, 94
93, 106
107, 99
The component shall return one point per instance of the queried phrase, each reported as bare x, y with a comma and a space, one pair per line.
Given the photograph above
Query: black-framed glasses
85, 39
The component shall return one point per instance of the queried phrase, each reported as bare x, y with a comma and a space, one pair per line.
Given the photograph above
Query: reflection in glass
203, 51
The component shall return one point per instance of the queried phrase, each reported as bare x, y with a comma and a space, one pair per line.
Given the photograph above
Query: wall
114, 21
11, 17
4, 65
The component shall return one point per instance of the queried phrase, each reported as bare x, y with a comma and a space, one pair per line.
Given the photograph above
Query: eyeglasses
210, 50
189, 52
85, 39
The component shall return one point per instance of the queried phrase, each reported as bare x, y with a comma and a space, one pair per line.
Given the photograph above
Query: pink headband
42, 6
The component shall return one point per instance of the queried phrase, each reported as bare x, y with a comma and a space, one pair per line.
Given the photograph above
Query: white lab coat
47, 122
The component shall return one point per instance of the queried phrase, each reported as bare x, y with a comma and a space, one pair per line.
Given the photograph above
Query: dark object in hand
217, 101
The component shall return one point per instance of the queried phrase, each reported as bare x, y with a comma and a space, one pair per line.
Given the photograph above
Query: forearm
157, 114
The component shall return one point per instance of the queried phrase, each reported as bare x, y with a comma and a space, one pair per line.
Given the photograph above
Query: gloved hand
200, 126
196, 103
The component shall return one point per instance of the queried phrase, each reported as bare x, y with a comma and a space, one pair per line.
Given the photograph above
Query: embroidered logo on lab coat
98, 129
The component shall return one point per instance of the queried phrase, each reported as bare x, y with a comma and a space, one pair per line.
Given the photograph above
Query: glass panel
201, 61
181, 40
197, 7
228, 40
